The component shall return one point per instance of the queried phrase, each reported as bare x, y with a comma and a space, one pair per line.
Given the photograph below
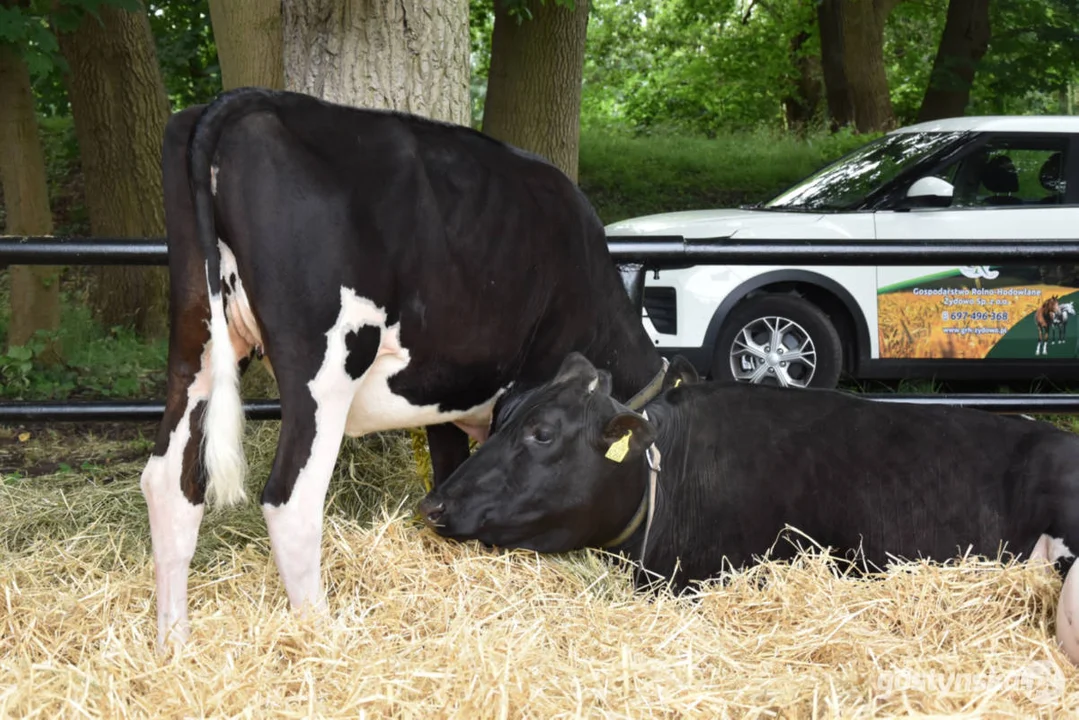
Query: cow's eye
540, 434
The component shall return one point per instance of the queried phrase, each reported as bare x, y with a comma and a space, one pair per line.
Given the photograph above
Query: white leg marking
174, 521
1068, 615
295, 527
223, 421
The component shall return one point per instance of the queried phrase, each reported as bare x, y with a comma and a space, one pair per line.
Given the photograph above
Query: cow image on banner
977, 312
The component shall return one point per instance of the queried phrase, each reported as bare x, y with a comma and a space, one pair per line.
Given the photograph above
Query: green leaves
30, 35
99, 362
30, 29
703, 65
68, 14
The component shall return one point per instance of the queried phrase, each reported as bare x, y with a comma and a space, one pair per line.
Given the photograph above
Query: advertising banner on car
976, 312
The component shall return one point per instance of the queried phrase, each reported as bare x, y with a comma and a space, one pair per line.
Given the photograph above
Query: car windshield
847, 181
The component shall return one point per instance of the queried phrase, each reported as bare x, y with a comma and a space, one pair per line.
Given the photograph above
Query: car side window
1011, 173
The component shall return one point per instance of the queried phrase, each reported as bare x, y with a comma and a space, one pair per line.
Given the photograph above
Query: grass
627, 176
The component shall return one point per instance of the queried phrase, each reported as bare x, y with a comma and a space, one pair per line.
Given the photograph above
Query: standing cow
711, 472
392, 271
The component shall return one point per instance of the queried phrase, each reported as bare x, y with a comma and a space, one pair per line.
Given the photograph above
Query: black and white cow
712, 473
393, 272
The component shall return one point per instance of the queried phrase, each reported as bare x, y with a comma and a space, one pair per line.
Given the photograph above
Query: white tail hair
223, 421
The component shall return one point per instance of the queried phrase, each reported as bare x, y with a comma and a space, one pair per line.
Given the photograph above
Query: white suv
973, 178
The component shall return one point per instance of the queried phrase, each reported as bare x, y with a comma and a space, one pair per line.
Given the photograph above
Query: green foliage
31, 30
704, 65
711, 66
911, 38
30, 33
627, 175
481, 23
185, 50
99, 362
63, 172
181, 29
1033, 57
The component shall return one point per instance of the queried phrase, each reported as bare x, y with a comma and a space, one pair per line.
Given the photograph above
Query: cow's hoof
174, 640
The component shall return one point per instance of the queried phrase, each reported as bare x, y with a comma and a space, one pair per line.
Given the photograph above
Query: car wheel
779, 340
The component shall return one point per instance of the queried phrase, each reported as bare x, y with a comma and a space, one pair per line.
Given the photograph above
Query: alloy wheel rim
773, 350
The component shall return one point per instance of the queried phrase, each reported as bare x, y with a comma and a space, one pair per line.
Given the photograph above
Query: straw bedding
422, 627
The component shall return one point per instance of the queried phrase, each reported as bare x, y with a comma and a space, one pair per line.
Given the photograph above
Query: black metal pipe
46, 250
93, 411
646, 251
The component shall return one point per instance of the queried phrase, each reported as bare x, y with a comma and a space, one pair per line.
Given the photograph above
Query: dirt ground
39, 449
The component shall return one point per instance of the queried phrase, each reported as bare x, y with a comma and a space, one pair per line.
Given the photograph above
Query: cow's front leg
448, 446
312, 425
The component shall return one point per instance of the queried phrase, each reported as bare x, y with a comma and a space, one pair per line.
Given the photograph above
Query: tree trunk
852, 51
962, 45
836, 90
534, 86
801, 106
249, 42
120, 108
35, 291
407, 55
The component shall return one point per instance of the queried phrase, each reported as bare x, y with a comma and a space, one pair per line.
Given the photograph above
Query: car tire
744, 352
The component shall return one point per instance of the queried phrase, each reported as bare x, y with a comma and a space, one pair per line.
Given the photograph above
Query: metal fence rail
151, 410
650, 252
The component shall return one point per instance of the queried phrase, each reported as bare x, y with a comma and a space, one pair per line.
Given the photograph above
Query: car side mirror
930, 191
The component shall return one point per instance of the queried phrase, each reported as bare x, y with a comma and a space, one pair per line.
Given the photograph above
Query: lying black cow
392, 271
571, 467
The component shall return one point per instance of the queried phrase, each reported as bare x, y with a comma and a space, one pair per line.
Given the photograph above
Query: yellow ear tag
678, 382
618, 449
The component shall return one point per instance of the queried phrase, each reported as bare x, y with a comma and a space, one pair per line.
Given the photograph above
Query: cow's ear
602, 383
680, 372
625, 436
575, 368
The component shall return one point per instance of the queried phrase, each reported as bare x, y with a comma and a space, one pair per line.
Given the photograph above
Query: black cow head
564, 470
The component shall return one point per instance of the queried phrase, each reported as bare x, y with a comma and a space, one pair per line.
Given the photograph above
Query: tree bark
35, 291
534, 86
120, 108
249, 42
407, 55
836, 90
852, 51
801, 106
963, 43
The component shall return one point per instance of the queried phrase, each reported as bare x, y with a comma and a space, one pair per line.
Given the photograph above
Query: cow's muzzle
431, 511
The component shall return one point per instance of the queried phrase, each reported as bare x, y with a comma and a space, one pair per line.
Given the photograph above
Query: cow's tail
223, 420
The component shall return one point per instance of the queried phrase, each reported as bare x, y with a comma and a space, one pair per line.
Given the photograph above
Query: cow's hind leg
292, 501
313, 419
1067, 620
173, 483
